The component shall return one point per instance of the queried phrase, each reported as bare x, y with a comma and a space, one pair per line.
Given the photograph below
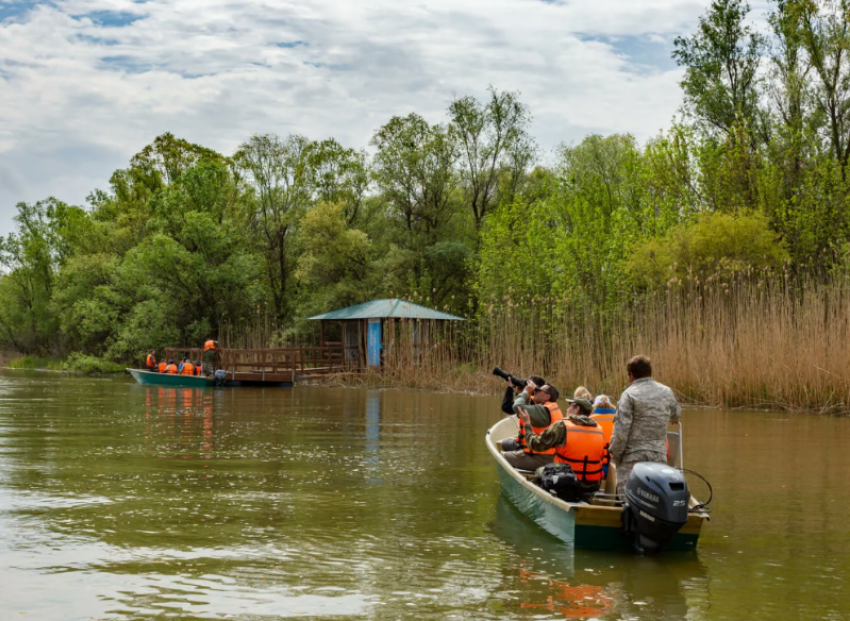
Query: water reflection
578, 584
123, 501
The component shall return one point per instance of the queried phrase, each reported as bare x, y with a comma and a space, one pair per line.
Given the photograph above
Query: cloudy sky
85, 84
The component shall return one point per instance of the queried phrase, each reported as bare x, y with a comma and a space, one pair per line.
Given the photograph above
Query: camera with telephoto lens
519, 383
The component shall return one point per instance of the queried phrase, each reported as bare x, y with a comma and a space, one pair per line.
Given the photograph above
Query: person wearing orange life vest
162, 366
187, 368
209, 357
197, 367
171, 368
543, 411
150, 361
604, 414
577, 440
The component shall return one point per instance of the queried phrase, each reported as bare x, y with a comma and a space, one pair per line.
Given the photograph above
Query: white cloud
80, 95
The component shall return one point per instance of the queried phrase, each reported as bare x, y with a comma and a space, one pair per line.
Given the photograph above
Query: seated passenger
187, 368
543, 411
197, 367
162, 366
582, 393
171, 368
604, 414
578, 441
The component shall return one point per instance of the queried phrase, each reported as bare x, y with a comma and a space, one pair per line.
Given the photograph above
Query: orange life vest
172, 369
188, 369
554, 416
162, 366
584, 450
209, 345
604, 417
150, 362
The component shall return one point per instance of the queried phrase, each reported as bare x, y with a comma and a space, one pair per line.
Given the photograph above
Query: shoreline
461, 385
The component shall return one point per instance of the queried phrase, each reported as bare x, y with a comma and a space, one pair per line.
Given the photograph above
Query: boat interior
607, 494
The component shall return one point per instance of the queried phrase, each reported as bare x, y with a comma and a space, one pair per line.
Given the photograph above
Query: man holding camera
541, 413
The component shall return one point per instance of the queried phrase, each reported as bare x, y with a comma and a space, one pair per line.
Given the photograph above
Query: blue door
373, 343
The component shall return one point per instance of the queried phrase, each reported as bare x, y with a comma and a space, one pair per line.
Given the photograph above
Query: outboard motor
656, 505
220, 377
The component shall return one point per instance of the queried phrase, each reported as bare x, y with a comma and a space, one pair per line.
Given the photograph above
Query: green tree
492, 139
276, 171
721, 61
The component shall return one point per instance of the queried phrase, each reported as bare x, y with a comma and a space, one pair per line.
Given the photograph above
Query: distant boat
170, 379
580, 524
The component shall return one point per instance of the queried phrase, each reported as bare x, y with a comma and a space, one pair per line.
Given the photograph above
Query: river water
119, 501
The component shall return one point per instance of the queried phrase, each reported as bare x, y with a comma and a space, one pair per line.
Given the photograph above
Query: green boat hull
166, 379
562, 524
581, 525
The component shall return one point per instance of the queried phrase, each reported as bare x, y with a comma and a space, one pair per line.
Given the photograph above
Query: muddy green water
119, 501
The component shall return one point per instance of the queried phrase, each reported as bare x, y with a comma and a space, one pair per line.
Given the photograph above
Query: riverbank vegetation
720, 247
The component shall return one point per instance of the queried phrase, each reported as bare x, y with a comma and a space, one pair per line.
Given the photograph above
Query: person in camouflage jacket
645, 409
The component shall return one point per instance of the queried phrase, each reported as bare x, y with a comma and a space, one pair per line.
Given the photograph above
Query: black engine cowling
656, 505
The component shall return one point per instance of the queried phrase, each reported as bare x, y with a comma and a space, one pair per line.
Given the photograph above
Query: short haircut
553, 392
538, 381
639, 366
582, 393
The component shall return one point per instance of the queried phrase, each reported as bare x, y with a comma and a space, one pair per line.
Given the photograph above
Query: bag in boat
559, 479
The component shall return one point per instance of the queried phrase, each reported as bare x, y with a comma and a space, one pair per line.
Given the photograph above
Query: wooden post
321, 333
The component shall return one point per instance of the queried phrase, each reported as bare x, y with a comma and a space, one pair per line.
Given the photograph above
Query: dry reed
756, 341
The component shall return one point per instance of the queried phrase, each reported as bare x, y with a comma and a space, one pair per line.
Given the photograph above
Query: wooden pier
283, 366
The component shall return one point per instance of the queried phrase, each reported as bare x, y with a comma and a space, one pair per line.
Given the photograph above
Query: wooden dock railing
281, 364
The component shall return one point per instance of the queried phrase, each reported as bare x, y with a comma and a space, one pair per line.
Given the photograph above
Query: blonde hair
582, 393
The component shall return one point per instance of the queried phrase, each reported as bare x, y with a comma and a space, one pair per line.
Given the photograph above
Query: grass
76, 362
36, 362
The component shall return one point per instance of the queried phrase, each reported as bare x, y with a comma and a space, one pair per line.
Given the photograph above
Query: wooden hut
369, 328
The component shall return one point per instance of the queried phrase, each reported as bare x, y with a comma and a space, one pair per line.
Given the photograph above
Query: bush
90, 365
717, 245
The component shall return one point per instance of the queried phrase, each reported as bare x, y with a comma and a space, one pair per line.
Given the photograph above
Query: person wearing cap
171, 368
543, 411
644, 410
577, 440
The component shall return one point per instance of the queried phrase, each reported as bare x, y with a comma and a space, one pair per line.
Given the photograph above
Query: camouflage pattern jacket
643, 412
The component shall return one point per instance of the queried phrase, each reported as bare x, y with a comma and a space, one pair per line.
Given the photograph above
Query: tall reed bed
752, 340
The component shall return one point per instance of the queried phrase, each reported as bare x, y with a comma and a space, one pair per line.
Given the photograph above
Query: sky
85, 84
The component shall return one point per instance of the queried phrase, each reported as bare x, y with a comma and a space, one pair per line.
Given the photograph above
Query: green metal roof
384, 309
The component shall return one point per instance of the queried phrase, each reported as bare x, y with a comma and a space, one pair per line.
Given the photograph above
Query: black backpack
560, 480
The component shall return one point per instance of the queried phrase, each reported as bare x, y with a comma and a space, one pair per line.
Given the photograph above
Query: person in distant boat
150, 361
209, 357
604, 414
577, 440
186, 367
645, 409
512, 392
171, 368
543, 411
162, 366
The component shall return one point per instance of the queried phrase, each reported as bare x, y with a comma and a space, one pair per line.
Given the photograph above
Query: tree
492, 139
276, 171
721, 60
825, 34
414, 170
338, 175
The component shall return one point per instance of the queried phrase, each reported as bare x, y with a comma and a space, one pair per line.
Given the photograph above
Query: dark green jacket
539, 415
